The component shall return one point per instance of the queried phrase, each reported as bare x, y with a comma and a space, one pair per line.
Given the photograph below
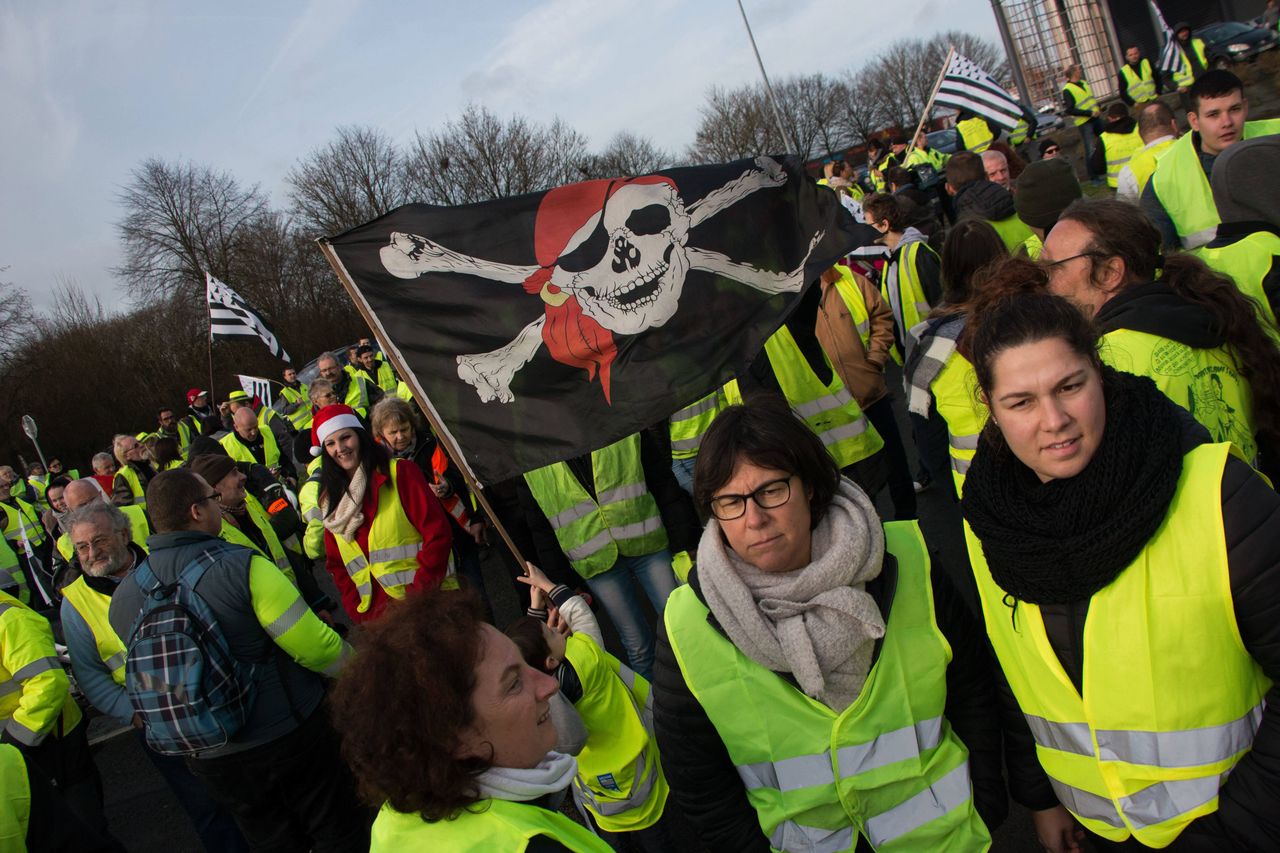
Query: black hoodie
1154, 308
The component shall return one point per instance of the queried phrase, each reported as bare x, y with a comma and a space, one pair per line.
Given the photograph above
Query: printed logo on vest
607, 782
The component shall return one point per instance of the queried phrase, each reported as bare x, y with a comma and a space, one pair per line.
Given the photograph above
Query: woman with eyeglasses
1170, 318
819, 686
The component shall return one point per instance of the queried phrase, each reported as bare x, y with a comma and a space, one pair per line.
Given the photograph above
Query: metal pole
773, 101
1011, 51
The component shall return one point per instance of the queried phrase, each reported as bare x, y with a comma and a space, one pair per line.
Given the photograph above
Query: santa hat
329, 420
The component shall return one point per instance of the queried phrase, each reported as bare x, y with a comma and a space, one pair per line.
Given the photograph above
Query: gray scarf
818, 622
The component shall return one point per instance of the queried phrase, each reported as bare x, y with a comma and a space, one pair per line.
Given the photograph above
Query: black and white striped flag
965, 86
230, 317
1170, 56
256, 386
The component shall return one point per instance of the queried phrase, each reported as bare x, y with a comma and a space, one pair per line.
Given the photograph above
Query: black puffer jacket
984, 200
1247, 816
707, 787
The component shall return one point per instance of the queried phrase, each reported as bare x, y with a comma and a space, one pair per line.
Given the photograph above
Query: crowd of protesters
1094, 381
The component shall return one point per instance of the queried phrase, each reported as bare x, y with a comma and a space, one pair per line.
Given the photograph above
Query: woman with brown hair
1129, 574
449, 732
1170, 318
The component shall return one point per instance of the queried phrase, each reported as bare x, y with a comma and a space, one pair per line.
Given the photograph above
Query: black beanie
1044, 190
203, 444
1246, 181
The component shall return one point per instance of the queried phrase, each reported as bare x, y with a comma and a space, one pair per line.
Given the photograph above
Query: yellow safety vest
1119, 148
1184, 76
237, 451
888, 768
1248, 261
93, 607
1142, 749
1012, 230
1019, 133
903, 290
12, 577
275, 551
1033, 247
622, 517
1143, 162
394, 544
691, 423
486, 827
829, 410
975, 134
955, 394
358, 395
29, 712
309, 508
301, 416
1205, 382
140, 529
20, 516
1084, 100
135, 485
856, 303
620, 779
15, 800
1184, 191
1140, 85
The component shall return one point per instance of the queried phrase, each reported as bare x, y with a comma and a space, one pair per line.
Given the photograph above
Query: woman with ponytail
1172, 319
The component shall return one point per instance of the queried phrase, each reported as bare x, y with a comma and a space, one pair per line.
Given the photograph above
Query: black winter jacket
1248, 817
708, 789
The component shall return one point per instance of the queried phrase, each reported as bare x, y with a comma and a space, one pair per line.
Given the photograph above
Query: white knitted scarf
553, 773
347, 518
817, 622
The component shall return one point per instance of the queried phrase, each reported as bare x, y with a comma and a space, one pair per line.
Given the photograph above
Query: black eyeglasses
212, 497
1051, 265
771, 495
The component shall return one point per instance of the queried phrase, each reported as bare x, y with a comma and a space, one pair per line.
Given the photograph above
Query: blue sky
90, 89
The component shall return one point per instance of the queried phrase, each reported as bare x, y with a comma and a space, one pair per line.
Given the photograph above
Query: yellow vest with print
1205, 382
888, 768
620, 779
1184, 191
486, 827
622, 518
1142, 749
394, 543
92, 607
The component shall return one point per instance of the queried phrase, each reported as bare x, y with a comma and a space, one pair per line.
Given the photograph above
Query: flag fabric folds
544, 326
965, 86
230, 317
1170, 56
256, 386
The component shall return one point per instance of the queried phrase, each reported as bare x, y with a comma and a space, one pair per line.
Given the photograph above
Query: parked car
946, 140
1048, 119
1231, 41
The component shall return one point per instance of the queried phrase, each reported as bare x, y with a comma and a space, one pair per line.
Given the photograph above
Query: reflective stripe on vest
622, 518
1184, 191
93, 606
903, 290
829, 410
393, 544
238, 451
1141, 750
856, 304
888, 767
1084, 100
691, 423
1140, 85
976, 134
1186, 75
1119, 148
22, 521
1143, 163
1019, 134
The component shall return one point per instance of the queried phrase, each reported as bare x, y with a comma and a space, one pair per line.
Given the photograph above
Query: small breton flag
1171, 56
256, 386
965, 86
230, 317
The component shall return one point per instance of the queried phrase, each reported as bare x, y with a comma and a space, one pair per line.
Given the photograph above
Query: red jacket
424, 512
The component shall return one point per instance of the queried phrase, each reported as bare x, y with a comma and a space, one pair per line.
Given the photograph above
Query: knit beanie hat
203, 444
213, 467
1246, 181
329, 420
1045, 188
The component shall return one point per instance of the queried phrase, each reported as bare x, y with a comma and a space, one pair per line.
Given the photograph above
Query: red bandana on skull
569, 235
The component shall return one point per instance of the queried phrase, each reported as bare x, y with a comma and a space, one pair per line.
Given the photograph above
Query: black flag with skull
544, 326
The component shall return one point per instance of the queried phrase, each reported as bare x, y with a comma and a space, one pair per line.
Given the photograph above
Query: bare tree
15, 319
179, 220
354, 178
736, 123
479, 156
987, 54
861, 112
627, 154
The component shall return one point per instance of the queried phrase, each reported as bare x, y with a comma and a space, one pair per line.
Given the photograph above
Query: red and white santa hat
329, 420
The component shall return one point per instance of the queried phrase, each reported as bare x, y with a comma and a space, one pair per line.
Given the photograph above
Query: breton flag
230, 317
1170, 56
965, 86
256, 386
545, 326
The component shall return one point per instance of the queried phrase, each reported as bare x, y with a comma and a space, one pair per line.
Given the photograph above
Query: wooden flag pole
208, 315
397, 361
928, 107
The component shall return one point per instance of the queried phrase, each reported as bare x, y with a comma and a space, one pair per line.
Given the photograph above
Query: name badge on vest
607, 782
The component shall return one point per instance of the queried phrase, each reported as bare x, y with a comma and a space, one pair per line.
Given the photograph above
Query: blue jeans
616, 590
683, 469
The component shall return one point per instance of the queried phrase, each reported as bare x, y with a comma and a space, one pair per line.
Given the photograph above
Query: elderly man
355, 391
134, 473
996, 166
104, 554
247, 442
268, 418
280, 773
104, 470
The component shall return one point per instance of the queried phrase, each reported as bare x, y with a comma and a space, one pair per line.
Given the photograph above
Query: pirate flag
544, 326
